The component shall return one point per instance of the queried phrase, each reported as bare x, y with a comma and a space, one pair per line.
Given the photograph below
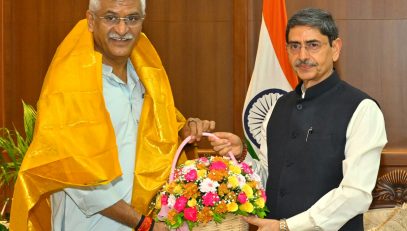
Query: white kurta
78, 209
365, 139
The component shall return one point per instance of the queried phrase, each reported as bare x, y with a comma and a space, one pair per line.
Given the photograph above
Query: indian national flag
272, 75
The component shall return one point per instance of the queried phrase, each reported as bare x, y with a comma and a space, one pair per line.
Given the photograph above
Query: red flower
263, 194
180, 203
218, 165
246, 168
191, 214
242, 198
192, 175
210, 198
164, 199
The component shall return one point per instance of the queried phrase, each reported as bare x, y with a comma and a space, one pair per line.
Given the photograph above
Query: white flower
254, 177
208, 185
241, 179
171, 201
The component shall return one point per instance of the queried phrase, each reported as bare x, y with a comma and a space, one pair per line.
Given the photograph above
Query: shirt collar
318, 89
132, 76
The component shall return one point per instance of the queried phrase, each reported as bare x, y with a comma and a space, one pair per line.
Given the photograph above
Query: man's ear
336, 49
91, 20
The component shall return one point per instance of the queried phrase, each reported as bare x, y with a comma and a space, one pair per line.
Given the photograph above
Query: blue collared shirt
77, 209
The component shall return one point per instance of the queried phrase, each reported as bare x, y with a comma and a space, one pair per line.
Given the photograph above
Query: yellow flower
201, 173
232, 207
232, 180
248, 190
192, 202
189, 162
260, 202
252, 184
235, 169
178, 189
247, 207
158, 202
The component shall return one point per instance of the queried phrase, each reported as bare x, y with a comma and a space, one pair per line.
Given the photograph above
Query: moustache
305, 62
127, 36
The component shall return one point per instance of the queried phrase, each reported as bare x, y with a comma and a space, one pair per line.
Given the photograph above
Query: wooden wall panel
2, 111
30, 32
373, 57
195, 42
34, 30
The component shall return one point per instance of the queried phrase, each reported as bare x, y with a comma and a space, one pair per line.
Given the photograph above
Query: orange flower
223, 189
171, 186
221, 208
191, 190
200, 166
205, 215
171, 216
252, 184
231, 196
217, 175
219, 158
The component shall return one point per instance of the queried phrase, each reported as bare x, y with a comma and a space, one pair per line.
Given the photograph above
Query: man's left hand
263, 224
194, 128
160, 226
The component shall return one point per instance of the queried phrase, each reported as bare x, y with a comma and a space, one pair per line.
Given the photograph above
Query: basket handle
182, 145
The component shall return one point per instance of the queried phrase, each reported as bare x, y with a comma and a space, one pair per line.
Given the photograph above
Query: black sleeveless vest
306, 141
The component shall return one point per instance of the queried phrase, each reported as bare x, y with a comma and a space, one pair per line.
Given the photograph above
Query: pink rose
190, 214
203, 159
164, 199
218, 165
246, 168
192, 175
210, 198
263, 194
180, 203
242, 198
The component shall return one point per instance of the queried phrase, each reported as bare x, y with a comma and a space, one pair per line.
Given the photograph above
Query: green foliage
218, 217
178, 221
3, 228
15, 146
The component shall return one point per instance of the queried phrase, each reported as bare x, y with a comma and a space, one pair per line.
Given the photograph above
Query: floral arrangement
206, 189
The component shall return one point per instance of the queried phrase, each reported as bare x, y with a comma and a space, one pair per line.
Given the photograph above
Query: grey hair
94, 5
316, 18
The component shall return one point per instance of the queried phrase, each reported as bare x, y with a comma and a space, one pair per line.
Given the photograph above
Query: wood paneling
195, 42
373, 56
33, 31
30, 32
2, 111
241, 75
208, 49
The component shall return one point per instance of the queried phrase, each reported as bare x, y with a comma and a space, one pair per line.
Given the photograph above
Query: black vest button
294, 135
289, 164
299, 107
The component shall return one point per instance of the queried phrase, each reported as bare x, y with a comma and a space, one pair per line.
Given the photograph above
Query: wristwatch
283, 225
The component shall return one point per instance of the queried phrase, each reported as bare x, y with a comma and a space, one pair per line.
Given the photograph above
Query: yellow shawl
74, 142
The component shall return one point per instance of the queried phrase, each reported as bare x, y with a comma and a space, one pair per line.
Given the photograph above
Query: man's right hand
227, 142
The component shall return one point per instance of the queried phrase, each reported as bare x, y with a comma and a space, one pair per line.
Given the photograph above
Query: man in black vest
321, 146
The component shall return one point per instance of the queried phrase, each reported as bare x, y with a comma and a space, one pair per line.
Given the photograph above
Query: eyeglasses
310, 46
130, 20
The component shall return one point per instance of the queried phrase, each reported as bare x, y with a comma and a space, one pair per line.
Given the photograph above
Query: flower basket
209, 194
